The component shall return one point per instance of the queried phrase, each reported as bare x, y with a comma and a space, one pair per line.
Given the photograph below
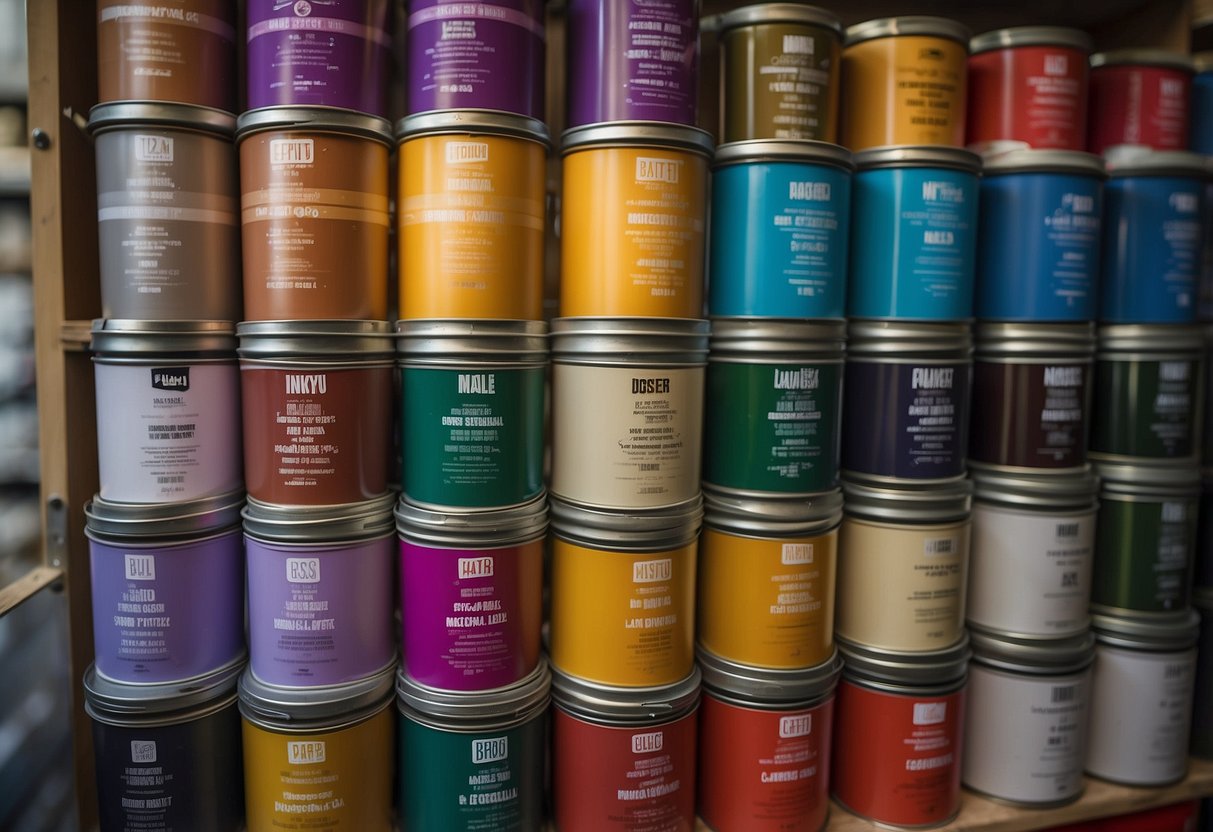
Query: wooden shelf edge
26, 587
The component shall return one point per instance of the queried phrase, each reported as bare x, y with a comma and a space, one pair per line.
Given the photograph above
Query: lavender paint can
325, 53
320, 603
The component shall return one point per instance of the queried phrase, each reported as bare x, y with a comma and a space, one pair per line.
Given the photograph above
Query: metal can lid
318, 708
1028, 340
140, 115
765, 685
815, 514
630, 340
926, 504
473, 122
1160, 632
906, 339
1033, 656
472, 527
638, 134
315, 524
627, 529
1032, 36
314, 119
929, 668
1143, 57
1157, 480
1031, 160
922, 25
472, 708
146, 521
1180, 163
1050, 492
609, 703
771, 337
457, 342
797, 151
1153, 338
780, 13
335, 339
118, 703
153, 338
918, 156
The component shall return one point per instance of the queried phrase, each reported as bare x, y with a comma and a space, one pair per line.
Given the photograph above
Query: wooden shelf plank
27, 586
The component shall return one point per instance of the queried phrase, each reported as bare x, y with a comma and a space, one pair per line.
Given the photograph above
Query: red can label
1031, 94
1145, 105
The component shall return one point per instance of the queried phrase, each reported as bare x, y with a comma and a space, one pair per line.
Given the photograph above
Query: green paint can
473, 762
775, 393
472, 411
1145, 539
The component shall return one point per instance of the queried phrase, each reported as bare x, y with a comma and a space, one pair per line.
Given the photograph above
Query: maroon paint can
1139, 97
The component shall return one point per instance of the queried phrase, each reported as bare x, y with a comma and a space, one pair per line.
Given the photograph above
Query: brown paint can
314, 203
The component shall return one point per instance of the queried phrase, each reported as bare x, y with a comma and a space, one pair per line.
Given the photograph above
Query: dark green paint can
473, 762
1145, 538
472, 411
774, 389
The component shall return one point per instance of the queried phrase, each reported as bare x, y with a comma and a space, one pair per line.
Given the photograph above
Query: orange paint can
632, 221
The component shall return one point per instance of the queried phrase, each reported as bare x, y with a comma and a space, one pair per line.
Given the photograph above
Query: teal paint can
473, 762
775, 393
471, 411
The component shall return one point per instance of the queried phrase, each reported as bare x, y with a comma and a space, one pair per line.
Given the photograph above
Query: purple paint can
471, 594
320, 605
486, 55
633, 60
319, 53
168, 588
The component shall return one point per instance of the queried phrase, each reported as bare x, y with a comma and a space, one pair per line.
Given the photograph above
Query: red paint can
1028, 85
1179, 817
764, 746
897, 734
623, 759
1139, 97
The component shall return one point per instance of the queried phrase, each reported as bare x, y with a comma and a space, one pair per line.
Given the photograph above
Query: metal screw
42, 139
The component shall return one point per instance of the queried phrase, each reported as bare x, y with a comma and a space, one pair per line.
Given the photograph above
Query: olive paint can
1145, 540
776, 389
766, 579
319, 758
473, 761
167, 756
1032, 553
1141, 699
627, 410
471, 186
779, 72
906, 399
632, 220
1026, 723
314, 213
1139, 97
471, 411
903, 559
623, 759
764, 746
903, 82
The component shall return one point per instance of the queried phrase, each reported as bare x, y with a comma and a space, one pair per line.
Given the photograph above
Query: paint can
168, 410
1202, 717
471, 215
903, 557
1141, 699
314, 202
471, 590
918, 209
632, 61
623, 593
1039, 236
898, 729
167, 588
1145, 539
487, 55
627, 410
1032, 553
1139, 97
473, 761
1200, 132
1032, 396
764, 746
167, 756
319, 758
903, 82
1154, 206
766, 579
1028, 85
1147, 395
632, 220
1026, 726
906, 399
182, 51
320, 597
779, 72
168, 212
1202, 576
317, 410
472, 411
787, 208
318, 54
623, 759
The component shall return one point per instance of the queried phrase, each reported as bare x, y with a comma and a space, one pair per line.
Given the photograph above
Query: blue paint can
1152, 250
1200, 117
781, 211
915, 216
1038, 236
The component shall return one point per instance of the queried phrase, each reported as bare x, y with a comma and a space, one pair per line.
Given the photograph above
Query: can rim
135, 115
479, 122
152, 338
760, 337
643, 341
626, 705
106, 520
427, 340
1149, 338
638, 134
1066, 492
627, 529
1180, 163
306, 524
1142, 57
1157, 632
344, 341
928, 669
917, 155
314, 708
116, 703
815, 514
780, 13
765, 685
929, 503
1043, 657
476, 526
1155, 479
918, 24
798, 151
460, 709
314, 119
1040, 160
1015, 36
1016, 338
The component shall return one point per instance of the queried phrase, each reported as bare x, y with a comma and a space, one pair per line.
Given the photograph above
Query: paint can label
1030, 415
1144, 553
1031, 94
1145, 408
1142, 105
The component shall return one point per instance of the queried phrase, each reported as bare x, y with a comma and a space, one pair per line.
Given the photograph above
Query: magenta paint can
471, 594
168, 588
319, 53
320, 603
